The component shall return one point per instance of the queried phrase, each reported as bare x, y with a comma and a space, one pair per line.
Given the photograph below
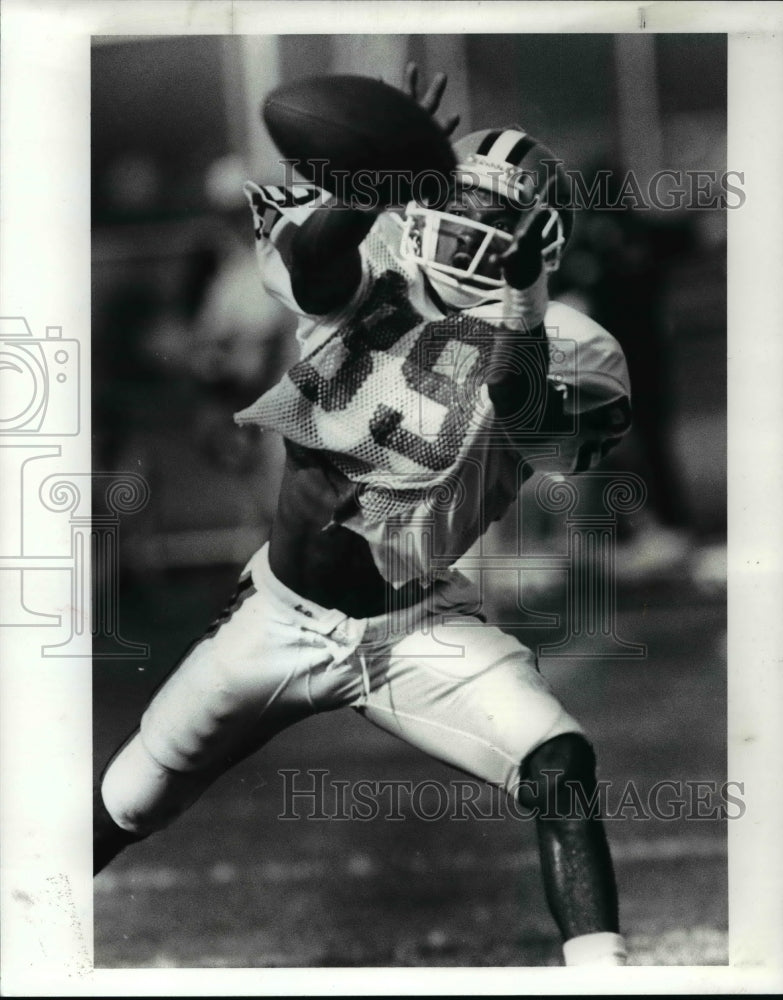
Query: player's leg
576, 864
247, 679
138, 796
472, 696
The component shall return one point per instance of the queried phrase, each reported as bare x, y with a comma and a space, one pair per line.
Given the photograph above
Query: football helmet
501, 167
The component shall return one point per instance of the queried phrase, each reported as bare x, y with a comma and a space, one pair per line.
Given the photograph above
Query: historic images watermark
604, 190
313, 794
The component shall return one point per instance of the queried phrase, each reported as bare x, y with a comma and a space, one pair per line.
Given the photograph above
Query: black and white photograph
388, 501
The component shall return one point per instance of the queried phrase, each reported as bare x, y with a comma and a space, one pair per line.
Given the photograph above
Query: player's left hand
432, 98
522, 261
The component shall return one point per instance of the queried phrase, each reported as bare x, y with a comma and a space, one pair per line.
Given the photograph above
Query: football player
423, 397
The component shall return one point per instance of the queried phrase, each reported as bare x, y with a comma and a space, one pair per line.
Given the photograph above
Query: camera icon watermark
75, 562
39, 381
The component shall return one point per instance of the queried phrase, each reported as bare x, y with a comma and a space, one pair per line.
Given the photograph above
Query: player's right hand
432, 98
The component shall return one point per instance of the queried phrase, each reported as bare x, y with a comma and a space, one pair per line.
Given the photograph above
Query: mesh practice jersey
391, 391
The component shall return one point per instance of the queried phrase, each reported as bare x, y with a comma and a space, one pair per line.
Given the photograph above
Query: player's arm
326, 264
307, 246
518, 384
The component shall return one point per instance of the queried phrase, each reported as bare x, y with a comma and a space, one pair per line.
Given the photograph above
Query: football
360, 138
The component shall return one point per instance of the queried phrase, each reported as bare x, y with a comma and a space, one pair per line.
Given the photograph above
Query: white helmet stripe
502, 146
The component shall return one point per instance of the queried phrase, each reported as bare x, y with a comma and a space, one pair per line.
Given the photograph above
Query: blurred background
184, 336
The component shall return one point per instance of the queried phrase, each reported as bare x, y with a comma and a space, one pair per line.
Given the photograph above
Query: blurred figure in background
181, 338
241, 343
617, 272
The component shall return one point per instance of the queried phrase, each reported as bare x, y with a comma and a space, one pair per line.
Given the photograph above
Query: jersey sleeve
586, 362
277, 214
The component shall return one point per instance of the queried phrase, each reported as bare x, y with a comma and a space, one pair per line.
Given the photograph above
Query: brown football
360, 138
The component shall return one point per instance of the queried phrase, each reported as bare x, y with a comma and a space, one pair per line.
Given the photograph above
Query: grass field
231, 884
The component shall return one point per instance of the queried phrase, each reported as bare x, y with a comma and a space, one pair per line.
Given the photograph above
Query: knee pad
141, 795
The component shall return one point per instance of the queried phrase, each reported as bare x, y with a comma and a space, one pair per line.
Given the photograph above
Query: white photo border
45, 277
